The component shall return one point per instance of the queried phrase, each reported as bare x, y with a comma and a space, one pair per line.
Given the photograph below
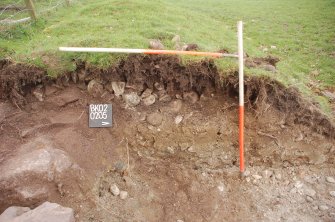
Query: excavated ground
185, 167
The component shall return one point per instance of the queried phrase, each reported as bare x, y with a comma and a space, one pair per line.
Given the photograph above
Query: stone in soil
330, 179
323, 207
309, 199
190, 47
257, 177
309, 191
74, 77
246, 173
332, 193
267, 173
175, 106
146, 93
178, 119
36, 159
155, 119
159, 86
38, 93
191, 97
11, 212
114, 190
95, 88
47, 211
131, 99
123, 195
118, 88
150, 100
165, 98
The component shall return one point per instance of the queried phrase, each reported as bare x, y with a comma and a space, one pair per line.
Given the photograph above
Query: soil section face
178, 157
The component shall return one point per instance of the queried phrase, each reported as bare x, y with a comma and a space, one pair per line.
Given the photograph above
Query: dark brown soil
141, 72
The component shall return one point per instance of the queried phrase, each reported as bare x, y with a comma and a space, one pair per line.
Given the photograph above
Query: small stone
148, 101
74, 77
38, 93
270, 68
309, 191
118, 88
155, 119
191, 149
176, 105
330, 179
221, 187
178, 119
146, 93
267, 173
120, 167
180, 221
298, 184
246, 173
64, 80
278, 175
114, 190
45, 212
192, 96
309, 199
94, 88
142, 116
10, 213
323, 207
156, 44
123, 195
190, 47
170, 150
332, 193
257, 177
82, 75
178, 96
273, 47
165, 98
159, 86
131, 99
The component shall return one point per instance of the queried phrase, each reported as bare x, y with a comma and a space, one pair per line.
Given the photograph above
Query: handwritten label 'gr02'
100, 115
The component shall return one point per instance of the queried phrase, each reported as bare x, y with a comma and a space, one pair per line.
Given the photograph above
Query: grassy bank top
300, 33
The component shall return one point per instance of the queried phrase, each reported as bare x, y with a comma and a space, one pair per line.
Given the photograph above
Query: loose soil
187, 171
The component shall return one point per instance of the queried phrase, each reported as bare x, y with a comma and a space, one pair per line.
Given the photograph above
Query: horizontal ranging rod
146, 51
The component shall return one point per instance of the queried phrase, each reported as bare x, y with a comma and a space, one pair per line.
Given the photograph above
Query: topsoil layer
141, 72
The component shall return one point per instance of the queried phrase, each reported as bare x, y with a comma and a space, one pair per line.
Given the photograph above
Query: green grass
303, 32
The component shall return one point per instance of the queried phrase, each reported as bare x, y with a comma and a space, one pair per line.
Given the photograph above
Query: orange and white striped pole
241, 92
176, 52
146, 51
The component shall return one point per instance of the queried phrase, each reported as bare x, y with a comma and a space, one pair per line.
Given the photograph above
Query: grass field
303, 32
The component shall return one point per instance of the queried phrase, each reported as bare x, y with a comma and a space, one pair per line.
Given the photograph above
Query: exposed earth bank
172, 153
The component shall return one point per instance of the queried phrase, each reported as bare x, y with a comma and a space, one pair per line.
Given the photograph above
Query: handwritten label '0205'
100, 115
98, 111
